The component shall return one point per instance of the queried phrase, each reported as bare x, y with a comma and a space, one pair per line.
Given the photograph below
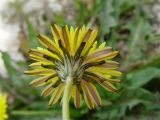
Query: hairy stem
66, 95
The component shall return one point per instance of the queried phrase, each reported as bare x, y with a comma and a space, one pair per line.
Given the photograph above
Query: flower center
73, 65
70, 65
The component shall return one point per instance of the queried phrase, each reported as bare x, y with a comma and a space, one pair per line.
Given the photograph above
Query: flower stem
66, 95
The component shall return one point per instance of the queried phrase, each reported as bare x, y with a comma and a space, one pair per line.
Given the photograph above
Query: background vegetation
126, 25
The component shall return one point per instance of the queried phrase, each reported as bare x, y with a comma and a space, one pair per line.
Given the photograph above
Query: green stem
33, 113
65, 104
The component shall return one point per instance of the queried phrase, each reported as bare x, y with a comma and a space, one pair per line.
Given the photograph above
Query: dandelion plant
3, 106
71, 64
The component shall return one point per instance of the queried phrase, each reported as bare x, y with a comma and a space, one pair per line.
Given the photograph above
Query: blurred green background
130, 26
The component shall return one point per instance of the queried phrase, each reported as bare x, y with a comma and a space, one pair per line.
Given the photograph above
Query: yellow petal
56, 31
40, 71
104, 71
102, 45
90, 41
41, 63
65, 37
56, 94
71, 40
47, 90
106, 83
47, 42
93, 47
94, 93
46, 52
37, 58
81, 34
76, 96
87, 96
109, 65
76, 37
108, 86
39, 81
101, 54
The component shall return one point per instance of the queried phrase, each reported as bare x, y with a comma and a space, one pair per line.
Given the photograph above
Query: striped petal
76, 96
101, 54
87, 96
104, 83
94, 93
41, 71
93, 47
65, 37
39, 81
87, 35
81, 34
48, 89
108, 86
55, 31
104, 71
38, 58
109, 65
41, 63
45, 52
47, 42
90, 41
56, 94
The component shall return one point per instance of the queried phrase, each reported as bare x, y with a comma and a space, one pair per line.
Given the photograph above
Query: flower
73, 52
3, 106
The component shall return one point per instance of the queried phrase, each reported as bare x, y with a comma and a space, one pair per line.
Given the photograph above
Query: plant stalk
66, 97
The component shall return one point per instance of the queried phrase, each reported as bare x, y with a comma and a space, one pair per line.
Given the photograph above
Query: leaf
31, 34
8, 65
140, 77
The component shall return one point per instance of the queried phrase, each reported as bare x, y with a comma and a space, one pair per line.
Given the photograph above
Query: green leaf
8, 65
140, 77
32, 34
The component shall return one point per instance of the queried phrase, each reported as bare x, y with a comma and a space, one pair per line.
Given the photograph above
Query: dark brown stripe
47, 90
94, 94
57, 93
99, 53
87, 95
65, 38
87, 35
38, 82
50, 77
34, 52
77, 102
109, 87
55, 31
